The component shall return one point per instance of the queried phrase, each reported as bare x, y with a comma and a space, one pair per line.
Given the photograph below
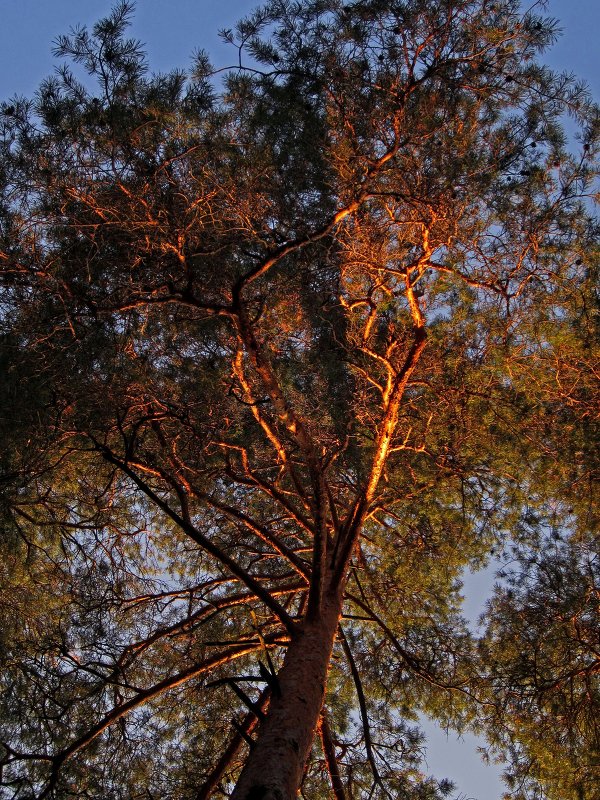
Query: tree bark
276, 763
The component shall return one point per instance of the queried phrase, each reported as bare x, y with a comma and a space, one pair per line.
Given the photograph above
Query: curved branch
362, 703
411, 662
299, 433
203, 541
351, 527
298, 244
183, 626
262, 532
139, 699
266, 426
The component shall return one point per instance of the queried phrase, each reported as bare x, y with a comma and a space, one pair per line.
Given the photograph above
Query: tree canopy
286, 348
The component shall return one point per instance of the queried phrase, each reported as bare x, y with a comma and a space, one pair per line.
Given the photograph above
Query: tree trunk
275, 766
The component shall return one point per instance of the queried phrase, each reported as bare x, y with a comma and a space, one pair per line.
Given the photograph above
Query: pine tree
279, 353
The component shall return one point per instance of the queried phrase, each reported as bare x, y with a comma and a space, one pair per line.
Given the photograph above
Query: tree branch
330, 757
362, 703
190, 530
351, 527
245, 728
143, 696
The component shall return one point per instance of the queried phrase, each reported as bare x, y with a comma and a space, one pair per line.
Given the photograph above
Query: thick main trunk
276, 763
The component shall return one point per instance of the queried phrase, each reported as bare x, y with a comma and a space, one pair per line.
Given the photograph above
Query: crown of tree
287, 348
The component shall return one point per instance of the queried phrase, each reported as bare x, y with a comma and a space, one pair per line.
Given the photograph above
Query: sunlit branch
162, 295
291, 247
185, 626
352, 525
271, 434
298, 430
231, 512
279, 497
369, 378
191, 591
141, 697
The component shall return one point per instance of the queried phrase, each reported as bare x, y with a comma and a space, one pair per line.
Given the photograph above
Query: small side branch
261, 532
330, 757
362, 703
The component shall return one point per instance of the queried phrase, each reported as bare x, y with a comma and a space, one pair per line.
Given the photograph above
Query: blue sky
172, 30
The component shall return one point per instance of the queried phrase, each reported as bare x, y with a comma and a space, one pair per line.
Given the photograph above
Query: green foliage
540, 648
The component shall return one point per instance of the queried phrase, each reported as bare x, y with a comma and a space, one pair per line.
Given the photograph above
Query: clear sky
172, 30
